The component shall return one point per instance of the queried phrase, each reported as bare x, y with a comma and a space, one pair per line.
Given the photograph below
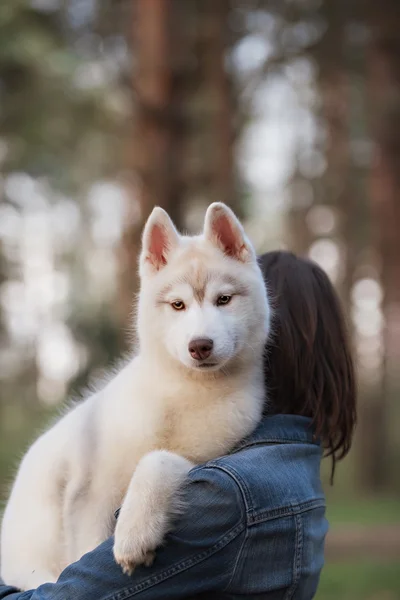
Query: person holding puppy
253, 521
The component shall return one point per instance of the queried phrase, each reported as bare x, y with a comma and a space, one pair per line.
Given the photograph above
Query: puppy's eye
224, 299
178, 305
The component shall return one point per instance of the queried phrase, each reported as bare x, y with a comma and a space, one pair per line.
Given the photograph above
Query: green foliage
378, 510
63, 114
100, 334
55, 119
360, 581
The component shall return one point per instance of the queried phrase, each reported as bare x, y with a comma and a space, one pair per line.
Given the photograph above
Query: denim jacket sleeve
200, 556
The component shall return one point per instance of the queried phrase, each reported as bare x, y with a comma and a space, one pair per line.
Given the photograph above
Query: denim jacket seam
179, 567
297, 557
197, 468
276, 441
285, 511
238, 557
234, 475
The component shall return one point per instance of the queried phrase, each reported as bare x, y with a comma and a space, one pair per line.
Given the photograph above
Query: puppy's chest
196, 434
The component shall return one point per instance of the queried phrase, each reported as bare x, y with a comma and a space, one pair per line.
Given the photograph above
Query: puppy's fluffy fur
133, 442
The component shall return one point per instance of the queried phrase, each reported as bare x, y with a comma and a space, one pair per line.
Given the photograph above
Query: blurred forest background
289, 111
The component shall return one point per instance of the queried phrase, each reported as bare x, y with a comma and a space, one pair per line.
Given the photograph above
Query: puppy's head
203, 300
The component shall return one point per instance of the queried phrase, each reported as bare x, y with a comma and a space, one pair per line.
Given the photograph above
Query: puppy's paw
151, 503
136, 545
130, 556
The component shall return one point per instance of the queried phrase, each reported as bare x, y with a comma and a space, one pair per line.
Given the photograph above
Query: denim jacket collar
281, 429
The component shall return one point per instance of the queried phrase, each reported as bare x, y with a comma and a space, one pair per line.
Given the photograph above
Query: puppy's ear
224, 230
159, 239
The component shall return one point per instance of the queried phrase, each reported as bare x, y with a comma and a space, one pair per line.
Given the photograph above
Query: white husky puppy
193, 390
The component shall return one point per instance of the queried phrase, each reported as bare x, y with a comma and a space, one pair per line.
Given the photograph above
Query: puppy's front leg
151, 502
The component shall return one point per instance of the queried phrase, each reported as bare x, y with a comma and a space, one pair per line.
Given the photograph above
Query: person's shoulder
270, 478
212, 479
216, 503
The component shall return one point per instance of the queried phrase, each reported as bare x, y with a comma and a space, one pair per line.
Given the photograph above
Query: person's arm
199, 556
9, 592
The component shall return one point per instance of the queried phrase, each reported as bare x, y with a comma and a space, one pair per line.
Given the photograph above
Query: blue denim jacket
254, 525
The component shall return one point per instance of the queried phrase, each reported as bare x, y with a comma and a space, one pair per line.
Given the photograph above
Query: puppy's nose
200, 348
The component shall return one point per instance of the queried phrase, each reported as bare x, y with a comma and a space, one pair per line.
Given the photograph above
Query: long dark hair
309, 368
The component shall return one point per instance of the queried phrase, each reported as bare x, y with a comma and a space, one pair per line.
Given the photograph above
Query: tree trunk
183, 137
334, 84
384, 63
154, 155
221, 126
